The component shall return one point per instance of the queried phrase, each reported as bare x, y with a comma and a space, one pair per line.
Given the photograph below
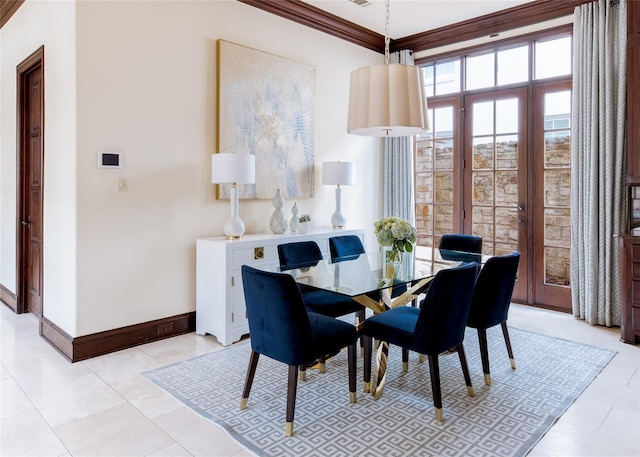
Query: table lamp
338, 174
233, 168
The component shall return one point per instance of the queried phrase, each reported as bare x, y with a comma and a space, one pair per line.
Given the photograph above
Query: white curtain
398, 165
598, 160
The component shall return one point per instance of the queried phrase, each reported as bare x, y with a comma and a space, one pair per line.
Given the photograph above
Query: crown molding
7, 8
498, 22
316, 18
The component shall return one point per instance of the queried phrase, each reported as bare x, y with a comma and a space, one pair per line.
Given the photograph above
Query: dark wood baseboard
87, 346
8, 298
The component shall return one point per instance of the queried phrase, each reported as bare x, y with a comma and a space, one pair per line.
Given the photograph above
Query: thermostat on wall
109, 159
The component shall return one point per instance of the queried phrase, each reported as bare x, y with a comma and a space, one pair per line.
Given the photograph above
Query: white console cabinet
220, 308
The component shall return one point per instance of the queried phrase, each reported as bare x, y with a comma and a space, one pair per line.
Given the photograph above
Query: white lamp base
337, 219
234, 227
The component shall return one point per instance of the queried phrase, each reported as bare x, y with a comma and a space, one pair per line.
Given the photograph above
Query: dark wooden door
30, 182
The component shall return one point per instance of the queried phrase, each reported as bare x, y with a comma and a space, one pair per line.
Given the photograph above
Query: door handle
27, 223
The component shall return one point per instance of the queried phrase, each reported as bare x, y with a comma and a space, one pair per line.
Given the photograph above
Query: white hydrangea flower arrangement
397, 234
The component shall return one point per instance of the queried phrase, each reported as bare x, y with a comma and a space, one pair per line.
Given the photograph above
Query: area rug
504, 419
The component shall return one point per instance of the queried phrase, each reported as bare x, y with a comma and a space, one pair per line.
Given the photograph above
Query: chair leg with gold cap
367, 344
484, 355
251, 371
465, 370
507, 341
434, 371
351, 355
292, 387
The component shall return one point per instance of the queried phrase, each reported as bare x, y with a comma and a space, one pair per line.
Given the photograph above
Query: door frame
23, 69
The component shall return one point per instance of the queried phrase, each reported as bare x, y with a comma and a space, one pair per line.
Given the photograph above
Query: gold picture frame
266, 107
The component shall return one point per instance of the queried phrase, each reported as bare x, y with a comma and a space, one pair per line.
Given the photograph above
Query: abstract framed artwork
266, 107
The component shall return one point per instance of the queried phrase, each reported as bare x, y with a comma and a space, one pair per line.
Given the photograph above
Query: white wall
51, 24
146, 86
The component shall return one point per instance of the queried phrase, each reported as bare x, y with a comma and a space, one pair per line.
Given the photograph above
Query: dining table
369, 280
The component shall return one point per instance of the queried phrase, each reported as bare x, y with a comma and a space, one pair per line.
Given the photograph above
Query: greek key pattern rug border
504, 419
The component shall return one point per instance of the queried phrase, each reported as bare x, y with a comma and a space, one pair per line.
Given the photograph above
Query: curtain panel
598, 159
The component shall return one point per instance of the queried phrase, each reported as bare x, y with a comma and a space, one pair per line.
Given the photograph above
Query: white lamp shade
229, 167
339, 173
387, 100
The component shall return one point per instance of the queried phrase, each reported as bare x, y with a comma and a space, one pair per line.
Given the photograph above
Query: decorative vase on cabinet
278, 222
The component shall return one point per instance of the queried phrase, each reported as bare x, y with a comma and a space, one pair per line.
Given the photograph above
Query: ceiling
408, 17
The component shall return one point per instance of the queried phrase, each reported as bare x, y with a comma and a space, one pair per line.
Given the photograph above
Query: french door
552, 166
495, 176
496, 164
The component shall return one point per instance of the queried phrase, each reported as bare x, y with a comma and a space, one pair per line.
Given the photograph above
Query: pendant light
388, 99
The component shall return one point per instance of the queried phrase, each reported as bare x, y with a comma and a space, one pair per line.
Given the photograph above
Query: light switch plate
121, 184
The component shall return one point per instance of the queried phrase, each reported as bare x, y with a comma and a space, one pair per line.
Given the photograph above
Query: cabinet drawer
254, 256
635, 270
635, 251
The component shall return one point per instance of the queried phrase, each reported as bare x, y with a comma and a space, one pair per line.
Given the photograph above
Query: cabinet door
238, 309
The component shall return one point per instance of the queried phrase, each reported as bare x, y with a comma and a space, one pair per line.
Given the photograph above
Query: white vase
278, 221
293, 224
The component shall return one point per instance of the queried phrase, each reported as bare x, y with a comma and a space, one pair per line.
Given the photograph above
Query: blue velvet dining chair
345, 247
463, 248
490, 303
305, 254
437, 326
281, 328
301, 254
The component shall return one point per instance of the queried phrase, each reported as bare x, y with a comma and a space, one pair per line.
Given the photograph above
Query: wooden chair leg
251, 371
351, 357
322, 364
434, 370
405, 360
507, 341
292, 386
366, 376
465, 369
484, 355
360, 317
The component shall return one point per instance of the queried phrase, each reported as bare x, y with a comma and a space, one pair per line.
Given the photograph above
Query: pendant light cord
386, 32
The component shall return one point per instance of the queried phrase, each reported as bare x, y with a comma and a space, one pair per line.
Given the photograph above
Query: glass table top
367, 273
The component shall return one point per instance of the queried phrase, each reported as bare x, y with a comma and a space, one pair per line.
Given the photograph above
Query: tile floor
102, 407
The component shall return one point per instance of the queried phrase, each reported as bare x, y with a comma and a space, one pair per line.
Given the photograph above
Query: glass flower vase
393, 263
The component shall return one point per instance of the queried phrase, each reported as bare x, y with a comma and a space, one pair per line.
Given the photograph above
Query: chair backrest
299, 254
493, 290
278, 320
445, 309
460, 244
345, 247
